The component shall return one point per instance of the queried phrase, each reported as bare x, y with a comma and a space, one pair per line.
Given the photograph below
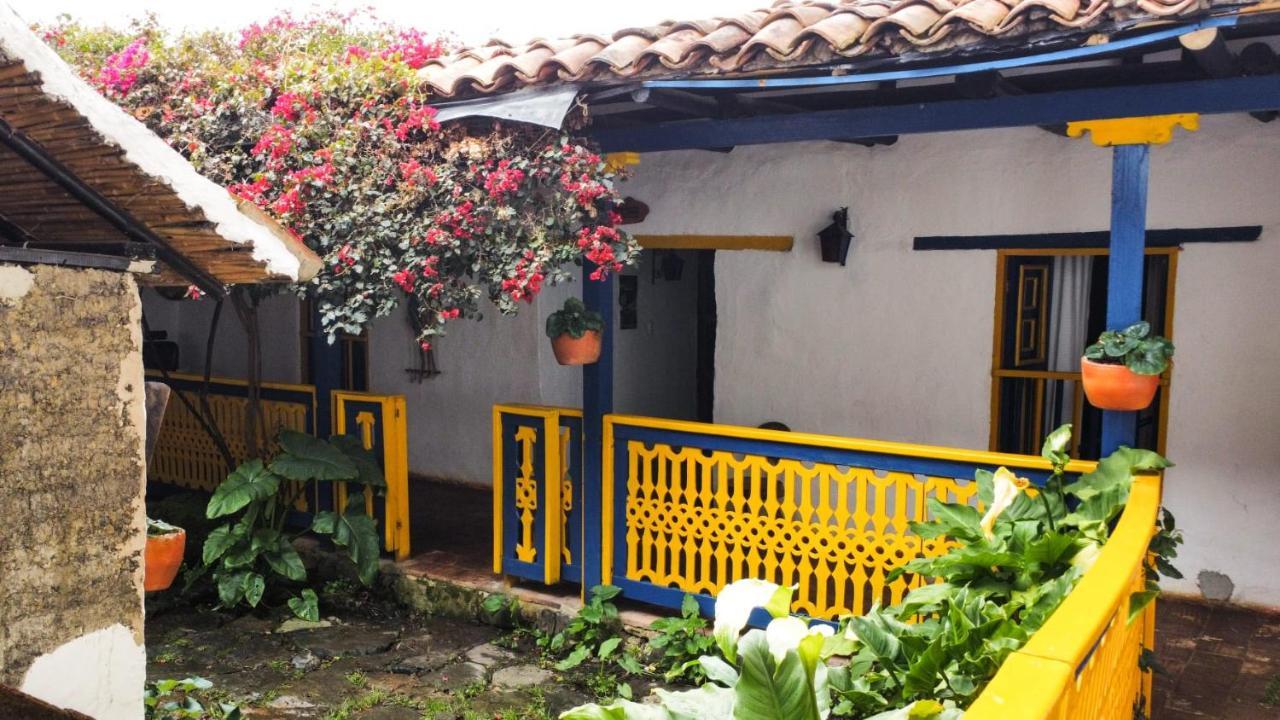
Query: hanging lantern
835, 238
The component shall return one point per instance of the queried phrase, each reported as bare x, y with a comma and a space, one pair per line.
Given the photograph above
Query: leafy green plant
680, 642
574, 320
257, 497
1134, 347
930, 655
593, 638
185, 700
157, 528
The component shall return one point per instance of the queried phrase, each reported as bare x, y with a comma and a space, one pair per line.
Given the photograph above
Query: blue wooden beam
1229, 95
1124, 267
597, 401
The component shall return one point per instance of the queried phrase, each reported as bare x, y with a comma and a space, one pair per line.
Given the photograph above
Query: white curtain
1068, 323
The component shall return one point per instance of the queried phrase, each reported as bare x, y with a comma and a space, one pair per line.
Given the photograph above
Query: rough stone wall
72, 478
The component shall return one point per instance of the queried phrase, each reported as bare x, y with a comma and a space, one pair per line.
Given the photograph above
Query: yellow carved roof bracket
1150, 130
618, 160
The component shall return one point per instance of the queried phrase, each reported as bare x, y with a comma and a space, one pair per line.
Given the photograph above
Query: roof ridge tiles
787, 35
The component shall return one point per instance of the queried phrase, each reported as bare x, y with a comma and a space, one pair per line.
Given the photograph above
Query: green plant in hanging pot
1122, 370
575, 333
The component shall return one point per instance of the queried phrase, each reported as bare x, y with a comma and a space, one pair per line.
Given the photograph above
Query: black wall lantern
835, 238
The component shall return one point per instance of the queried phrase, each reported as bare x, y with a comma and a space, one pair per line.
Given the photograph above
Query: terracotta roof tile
791, 34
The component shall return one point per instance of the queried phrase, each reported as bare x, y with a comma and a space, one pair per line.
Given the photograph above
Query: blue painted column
1125, 266
326, 373
597, 401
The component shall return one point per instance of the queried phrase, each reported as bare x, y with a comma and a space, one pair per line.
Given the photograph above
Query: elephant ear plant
254, 545
1134, 347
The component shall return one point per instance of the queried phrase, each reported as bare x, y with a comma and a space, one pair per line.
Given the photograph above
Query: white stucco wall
898, 344
187, 322
100, 674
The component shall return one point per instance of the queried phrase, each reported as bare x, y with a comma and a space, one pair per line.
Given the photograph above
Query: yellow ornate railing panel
185, 455
1084, 662
698, 506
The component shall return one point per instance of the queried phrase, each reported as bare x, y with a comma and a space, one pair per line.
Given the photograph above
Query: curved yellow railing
1083, 664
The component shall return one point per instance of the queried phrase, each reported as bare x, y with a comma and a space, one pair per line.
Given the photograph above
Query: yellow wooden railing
185, 455
1083, 664
692, 507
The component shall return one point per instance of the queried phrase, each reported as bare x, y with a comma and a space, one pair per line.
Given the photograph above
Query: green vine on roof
320, 120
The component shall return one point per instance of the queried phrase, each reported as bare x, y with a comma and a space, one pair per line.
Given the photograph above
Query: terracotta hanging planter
1116, 387
163, 558
575, 333
577, 351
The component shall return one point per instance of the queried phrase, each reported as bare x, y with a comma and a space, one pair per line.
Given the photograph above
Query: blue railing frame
672, 597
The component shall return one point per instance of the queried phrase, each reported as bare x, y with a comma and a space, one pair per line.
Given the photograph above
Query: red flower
404, 279
289, 202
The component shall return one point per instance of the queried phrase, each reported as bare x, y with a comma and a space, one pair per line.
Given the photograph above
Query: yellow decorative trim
936, 452
293, 387
606, 506
774, 243
551, 477
497, 489
618, 160
1150, 130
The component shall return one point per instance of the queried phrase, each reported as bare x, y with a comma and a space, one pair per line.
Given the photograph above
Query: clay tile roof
790, 35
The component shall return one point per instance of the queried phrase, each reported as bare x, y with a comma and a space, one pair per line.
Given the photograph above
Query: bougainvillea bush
320, 121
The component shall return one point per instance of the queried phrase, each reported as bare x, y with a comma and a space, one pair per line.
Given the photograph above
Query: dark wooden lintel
1092, 239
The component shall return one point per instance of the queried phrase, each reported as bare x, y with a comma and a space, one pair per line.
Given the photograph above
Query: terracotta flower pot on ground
1116, 387
163, 556
577, 351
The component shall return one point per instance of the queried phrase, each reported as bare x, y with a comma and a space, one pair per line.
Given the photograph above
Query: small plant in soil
574, 320
254, 546
679, 642
592, 641
189, 699
1134, 347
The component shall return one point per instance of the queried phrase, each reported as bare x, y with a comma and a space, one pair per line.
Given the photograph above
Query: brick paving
1220, 660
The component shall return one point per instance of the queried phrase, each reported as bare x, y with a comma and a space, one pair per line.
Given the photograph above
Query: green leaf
608, 646
1139, 601
251, 481
230, 588
961, 522
308, 458
1051, 548
924, 598
284, 560
370, 472
307, 606
254, 586
766, 691
923, 672
873, 634
574, 659
219, 541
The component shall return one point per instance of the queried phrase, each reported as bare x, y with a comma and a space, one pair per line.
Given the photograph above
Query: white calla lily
734, 605
1005, 491
785, 634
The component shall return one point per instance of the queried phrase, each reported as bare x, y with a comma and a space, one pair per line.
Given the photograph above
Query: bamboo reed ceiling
52, 218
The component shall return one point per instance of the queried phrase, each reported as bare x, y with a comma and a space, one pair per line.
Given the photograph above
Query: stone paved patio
372, 663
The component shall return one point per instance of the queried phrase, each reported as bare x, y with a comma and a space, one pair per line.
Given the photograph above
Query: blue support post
597, 401
326, 374
1125, 267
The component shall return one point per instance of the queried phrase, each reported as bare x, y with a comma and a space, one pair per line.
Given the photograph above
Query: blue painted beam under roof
1229, 95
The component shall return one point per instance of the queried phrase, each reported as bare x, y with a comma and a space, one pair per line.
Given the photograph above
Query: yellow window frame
997, 345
